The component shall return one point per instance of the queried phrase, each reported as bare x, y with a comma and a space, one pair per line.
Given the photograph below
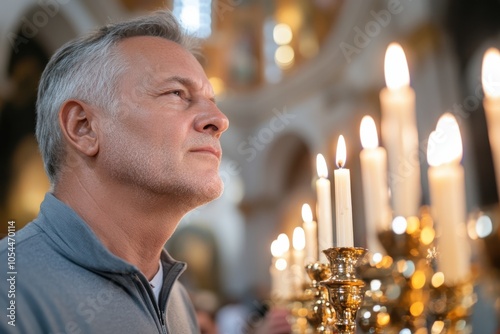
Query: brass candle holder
320, 312
450, 308
345, 289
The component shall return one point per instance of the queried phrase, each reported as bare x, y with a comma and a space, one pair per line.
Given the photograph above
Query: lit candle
276, 269
283, 266
323, 191
343, 210
298, 271
490, 77
399, 133
447, 194
311, 234
374, 175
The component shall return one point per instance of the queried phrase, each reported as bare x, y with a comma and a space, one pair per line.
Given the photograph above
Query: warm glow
377, 257
281, 264
427, 235
399, 225
416, 309
383, 318
490, 73
282, 34
396, 68
283, 242
418, 280
368, 133
321, 166
307, 215
341, 152
437, 279
375, 285
437, 327
445, 144
413, 224
299, 239
275, 248
284, 56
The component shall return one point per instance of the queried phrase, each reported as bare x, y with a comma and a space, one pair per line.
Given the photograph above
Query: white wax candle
283, 285
311, 234
343, 205
491, 86
399, 134
375, 189
298, 267
447, 192
274, 272
323, 191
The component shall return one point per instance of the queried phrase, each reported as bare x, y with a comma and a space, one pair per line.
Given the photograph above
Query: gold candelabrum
320, 314
450, 308
404, 291
345, 289
399, 281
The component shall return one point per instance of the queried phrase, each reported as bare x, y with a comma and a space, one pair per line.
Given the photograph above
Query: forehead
156, 57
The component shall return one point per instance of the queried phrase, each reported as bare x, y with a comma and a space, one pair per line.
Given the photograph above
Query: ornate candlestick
344, 287
450, 308
321, 314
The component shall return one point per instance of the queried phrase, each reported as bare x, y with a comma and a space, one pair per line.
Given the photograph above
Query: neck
133, 225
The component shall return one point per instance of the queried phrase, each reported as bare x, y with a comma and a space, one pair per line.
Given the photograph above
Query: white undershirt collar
157, 282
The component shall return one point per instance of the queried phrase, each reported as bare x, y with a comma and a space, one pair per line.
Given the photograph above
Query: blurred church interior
291, 76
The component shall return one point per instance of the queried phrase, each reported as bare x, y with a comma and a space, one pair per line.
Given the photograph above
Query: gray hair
88, 69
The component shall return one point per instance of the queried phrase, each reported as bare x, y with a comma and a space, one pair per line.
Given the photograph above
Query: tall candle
275, 270
447, 194
491, 85
298, 243
343, 205
399, 133
375, 189
323, 191
283, 264
311, 234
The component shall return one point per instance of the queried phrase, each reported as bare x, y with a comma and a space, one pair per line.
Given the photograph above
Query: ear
77, 121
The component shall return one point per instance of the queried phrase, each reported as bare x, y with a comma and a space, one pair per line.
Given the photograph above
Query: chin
213, 190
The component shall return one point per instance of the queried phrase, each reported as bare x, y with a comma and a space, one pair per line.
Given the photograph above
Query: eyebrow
186, 82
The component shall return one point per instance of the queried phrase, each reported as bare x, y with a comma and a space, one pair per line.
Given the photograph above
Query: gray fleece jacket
60, 279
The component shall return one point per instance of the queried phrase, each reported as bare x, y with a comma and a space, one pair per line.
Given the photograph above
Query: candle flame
284, 243
321, 167
445, 143
368, 133
299, 239
396, 68
307, 215
281, 264
275, 248
341, 152
490, 73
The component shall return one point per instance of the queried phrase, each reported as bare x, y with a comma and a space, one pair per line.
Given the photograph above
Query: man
129, 132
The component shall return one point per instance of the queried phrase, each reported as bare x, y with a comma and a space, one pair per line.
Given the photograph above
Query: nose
212, 121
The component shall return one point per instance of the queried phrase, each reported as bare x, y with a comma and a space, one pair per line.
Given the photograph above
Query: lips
210, 150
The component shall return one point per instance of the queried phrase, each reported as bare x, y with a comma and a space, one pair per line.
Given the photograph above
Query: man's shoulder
22, 240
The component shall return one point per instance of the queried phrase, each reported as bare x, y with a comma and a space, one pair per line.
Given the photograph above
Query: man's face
164, 139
